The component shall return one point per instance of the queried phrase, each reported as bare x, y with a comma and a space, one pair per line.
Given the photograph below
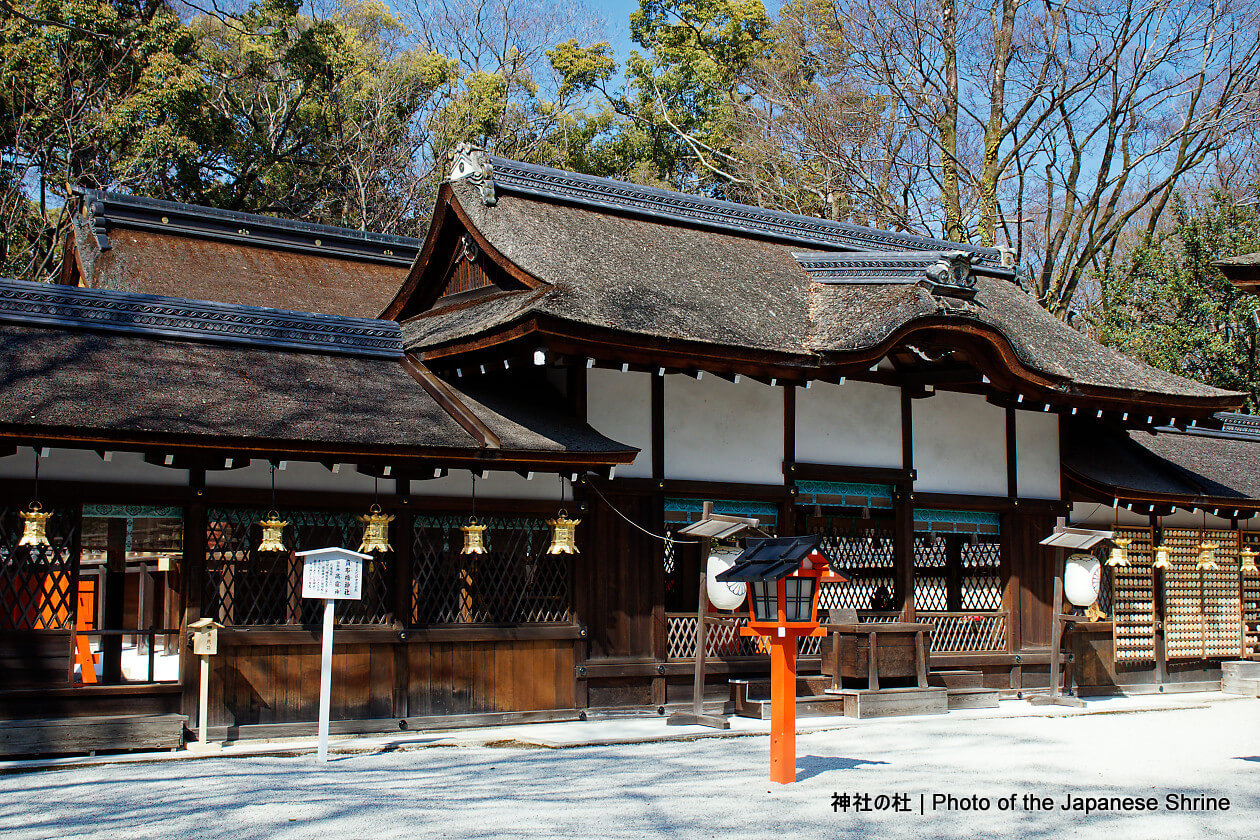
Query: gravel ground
712, 788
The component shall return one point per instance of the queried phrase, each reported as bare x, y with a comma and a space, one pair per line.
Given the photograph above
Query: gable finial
472, 162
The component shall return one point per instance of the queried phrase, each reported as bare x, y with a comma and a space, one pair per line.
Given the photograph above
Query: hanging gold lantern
375, 530
1119, 552
34, 527
273, 533
1248, 561
563, 534
1207, 556
1162, 553
474, 537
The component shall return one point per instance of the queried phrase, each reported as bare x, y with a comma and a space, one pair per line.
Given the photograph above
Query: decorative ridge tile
27, 303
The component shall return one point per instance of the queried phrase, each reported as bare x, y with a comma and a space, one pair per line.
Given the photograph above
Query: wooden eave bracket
451, 404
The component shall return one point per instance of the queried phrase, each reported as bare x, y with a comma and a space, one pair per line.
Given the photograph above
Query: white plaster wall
496, 485
854, 424
619, 405
959, 445
1037, 455
86, 465
716, 430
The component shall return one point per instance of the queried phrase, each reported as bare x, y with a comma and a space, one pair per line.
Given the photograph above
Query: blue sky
617, 14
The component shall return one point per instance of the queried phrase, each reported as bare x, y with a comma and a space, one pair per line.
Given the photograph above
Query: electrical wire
668, 540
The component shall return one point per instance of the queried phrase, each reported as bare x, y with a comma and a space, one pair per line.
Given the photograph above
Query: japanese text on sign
334, 576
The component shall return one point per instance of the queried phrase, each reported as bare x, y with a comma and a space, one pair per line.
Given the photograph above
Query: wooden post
325, 678
783, 709
1055, 697
113, 597
697, 715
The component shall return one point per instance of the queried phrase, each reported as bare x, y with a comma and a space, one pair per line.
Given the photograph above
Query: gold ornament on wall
474, 537
1207, 556
1162, 553
563, 534
1119, 552
375, 530
273, 533
1248, 561
35, 526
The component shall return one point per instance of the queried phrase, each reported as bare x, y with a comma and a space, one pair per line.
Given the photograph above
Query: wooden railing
966, 632
954, 632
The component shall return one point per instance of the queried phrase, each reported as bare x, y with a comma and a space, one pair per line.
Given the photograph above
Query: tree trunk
947, 125
994, 130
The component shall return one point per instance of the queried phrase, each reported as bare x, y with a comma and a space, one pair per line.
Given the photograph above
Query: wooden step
61, 736
805, 707
956, 679
1234, 685
973, 698
892, 702
1242, 669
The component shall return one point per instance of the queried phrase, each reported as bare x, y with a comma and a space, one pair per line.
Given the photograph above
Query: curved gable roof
658, 277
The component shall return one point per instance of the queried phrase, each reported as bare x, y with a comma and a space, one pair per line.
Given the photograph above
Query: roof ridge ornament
951, 276
471, 162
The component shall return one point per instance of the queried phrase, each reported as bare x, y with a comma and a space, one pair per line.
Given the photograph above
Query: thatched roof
643, 267
96, 365
1195, 468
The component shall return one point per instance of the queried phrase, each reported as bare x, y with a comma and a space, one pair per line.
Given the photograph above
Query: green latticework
245, 587
514, 582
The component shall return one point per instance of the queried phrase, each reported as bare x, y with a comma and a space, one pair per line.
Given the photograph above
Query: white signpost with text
332, 574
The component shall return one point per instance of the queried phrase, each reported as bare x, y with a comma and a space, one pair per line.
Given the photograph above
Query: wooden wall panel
614, 579
1032, 568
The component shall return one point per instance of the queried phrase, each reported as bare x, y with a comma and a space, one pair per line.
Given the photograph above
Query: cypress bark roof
1193, 469
649, 272
98, 365
138, 245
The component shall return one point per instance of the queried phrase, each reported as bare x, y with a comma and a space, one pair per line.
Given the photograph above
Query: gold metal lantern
1248, 561
474, 537
273, 533
1119, 552
375, 530
1207, 556
563, 534
1162, 553
34, 526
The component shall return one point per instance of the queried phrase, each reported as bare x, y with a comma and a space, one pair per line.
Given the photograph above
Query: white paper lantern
724, 595
1082, 579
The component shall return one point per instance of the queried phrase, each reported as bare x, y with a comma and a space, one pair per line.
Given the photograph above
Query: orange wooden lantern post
784, 576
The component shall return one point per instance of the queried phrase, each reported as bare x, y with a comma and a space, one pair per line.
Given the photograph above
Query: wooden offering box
901, 652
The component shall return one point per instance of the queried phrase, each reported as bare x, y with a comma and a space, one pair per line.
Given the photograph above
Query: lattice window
1133, 600
981, 574
245, 587
1251, 601
36, 583
865, 557
931, 571
515, 582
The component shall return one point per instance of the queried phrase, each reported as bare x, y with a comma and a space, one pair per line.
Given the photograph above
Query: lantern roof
772, 558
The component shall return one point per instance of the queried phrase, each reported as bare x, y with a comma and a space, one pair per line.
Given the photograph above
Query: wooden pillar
114, 599
787, 508
903, 514
192, 583
404, 528
1157, 598
660, 628
953, 571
